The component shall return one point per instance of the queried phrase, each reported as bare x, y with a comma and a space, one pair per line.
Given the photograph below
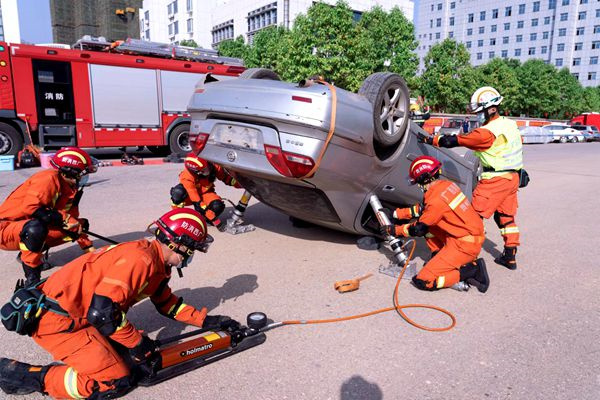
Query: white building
209, 22
9, 21
565, 33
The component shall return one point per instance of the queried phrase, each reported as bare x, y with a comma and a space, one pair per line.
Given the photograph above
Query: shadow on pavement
145, 316
272, 220
358, 388
72, 251
491, 248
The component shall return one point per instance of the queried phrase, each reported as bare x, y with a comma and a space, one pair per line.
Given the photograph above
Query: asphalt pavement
533, 335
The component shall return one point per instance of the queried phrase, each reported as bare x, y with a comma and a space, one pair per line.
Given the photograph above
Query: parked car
589, 132
270, 134
562, 133
535, 134
454, 126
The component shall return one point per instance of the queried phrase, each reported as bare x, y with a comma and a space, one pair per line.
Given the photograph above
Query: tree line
329, 41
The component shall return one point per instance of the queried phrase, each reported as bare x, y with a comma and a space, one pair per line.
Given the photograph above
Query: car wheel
10, 140
260, 73
390, 98
573, 139
563, 139
179, 141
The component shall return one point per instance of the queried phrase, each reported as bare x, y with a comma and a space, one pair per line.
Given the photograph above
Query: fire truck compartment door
124, 96
177, 89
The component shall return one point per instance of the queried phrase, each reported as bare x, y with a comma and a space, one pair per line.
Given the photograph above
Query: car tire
573, 139
260, 73
11, 141
179, 140
563, 139
389, 95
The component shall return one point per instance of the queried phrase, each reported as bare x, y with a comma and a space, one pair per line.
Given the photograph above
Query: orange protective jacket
126, 273
43, 189
447, 208
197, 186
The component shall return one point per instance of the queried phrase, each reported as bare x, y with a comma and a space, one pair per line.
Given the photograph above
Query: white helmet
484, 97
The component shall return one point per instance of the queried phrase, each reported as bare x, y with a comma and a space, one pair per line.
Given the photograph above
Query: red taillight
302, 99
288, 164
235, 70
200, 142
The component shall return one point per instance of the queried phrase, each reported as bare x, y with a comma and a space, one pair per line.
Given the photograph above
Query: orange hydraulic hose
331, 128
397, 307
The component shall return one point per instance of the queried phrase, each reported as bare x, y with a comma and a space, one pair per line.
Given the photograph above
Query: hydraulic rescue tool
235, 223
394, 268
176, 356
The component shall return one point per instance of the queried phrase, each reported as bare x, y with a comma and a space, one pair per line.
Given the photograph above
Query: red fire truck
100, 94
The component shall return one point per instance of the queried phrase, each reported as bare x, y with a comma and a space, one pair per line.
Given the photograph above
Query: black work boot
21, 378
481, 280
507, 258
32, 275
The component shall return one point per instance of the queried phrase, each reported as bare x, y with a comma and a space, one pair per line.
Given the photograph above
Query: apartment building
209, 22
565, 33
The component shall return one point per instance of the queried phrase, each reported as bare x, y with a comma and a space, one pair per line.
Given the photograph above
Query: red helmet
424, 169
183, 226
73, 162
195, 164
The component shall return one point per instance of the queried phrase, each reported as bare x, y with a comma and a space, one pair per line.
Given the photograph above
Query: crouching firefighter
84, 309
197, 187
43, 211
451, 227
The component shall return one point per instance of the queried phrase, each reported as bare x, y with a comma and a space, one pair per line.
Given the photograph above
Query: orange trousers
443, 269
91, 362
498, 197
10, 240
206, 198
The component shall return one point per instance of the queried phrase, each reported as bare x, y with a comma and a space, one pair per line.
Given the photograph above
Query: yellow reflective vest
506, 152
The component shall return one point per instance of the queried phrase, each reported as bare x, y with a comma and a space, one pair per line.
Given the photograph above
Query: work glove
145, 356
422, 138
221, 225
85, 224
198, 208
219, 322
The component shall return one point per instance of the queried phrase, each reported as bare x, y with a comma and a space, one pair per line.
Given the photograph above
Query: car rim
5, 143
183, 141
393, 111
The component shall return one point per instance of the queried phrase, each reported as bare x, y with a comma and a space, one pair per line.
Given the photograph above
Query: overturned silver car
273, 136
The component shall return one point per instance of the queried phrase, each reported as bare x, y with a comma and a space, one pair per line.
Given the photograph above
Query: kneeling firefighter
451, 227
44, 211
84, 305
197, 187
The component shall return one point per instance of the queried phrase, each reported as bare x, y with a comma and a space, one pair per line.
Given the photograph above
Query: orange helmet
195, 164
424, 169
73, 162
183, 226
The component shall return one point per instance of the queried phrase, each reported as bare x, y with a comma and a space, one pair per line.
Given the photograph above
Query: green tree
393, 38
447, 82
189, 43
570, 93
539, 95
591, 99
268, 49
234, 48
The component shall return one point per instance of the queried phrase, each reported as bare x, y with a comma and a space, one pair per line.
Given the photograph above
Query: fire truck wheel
179, 140
10, 140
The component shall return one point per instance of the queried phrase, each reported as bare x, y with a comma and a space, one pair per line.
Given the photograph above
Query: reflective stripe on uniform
180, 308
509, 230
170, 312
440, 281
457, 200
123, 322
23, 247
70, 381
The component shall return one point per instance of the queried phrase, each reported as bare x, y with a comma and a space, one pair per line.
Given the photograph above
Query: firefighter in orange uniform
452, 229
87, 301
36, 215
499, 147
197, 187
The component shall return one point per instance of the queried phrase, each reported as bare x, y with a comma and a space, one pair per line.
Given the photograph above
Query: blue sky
34, 20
